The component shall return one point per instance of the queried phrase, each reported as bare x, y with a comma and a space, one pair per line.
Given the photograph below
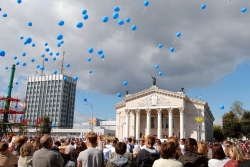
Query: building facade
163, 114
51, 95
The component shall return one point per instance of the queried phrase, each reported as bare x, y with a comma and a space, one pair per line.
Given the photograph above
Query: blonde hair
237, 153
202, 148
26, 149
21, 139
92, 137
227, 150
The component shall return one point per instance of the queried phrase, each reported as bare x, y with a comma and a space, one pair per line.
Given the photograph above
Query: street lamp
91, 121
199, 120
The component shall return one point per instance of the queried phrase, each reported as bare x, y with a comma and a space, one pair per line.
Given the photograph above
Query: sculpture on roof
154, 80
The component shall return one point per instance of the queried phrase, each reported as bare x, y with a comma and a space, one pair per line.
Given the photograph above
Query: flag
21, 118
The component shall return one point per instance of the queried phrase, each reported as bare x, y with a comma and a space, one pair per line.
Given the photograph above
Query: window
152, 122
167, 121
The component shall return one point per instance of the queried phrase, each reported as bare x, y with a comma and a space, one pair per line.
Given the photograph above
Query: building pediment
153, 100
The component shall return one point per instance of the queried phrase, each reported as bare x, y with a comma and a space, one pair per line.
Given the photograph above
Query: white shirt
217, 162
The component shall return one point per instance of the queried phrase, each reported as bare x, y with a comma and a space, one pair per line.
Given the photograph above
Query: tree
231, 125
245, 121
237, 108
218, 133
45, 125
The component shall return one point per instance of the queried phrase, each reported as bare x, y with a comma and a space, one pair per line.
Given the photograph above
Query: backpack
131, 148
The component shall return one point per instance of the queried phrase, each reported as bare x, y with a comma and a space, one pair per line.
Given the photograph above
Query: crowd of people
47, 151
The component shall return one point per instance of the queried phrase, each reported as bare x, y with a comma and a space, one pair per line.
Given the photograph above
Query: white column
159, 128
170, 122
181, 122
137, 128
148, 111
127, 123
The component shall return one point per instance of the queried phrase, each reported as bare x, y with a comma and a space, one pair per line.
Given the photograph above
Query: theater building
163, 113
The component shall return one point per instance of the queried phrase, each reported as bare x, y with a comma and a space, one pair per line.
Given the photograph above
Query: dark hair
130, 140
168, 150
92, 137
57, 143
114, 141
120, 148
151, 140
3, 146
190, 143
218, 152
158, 141
81, 146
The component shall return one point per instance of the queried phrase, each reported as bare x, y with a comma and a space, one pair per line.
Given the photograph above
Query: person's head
182, 141
227, 143
227, 150
81, 146
21, 140
202, 148
37, 144
168, 150
218, 152
91, 139
120, 148
150, 141
114, 142
26, 150
191, 145
142, 142
236, 153
3, 146
107, 141
46, 141
129, 140
158, 142
174, 140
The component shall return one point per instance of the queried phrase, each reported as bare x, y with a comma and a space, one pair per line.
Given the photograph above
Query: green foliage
45, 125
231, 125
245, 121
218, 133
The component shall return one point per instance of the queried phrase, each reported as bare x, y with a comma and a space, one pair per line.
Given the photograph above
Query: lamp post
91, 121
199, 120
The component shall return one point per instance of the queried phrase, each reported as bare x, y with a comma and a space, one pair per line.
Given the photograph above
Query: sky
211, 57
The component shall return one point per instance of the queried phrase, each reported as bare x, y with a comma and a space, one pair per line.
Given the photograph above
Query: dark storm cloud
213, 41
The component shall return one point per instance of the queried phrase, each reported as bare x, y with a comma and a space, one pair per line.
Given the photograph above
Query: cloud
218, 121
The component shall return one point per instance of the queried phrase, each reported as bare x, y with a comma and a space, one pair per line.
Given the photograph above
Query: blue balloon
51, 53
42, 55
178, 34
91, 50
90, 71
120, 22
32, 60
128, 20
156, 66
85, 17
46, 59
85, 99
57, 53
125, 83
5, 15
222, 107
84, 11
79, 25
116, 9
65, 78
61, 23
42, 68
45, 44
115, 15
16, 83
67, 65
24, 64
146, 3
100, 52
6, 68
30, 24
59, 37
54, 58
38, 66
89, 59
17, 63
19, 1
171, 49
160, 74
102, 56
243, 10
134, 27
160, 46
105, 19
119, 94
15, 57
59, 45
203, 6
62, 42
33, 45
76, 78
2, 53
28, 40
24, 54
21, 37
55, 72
47, 49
